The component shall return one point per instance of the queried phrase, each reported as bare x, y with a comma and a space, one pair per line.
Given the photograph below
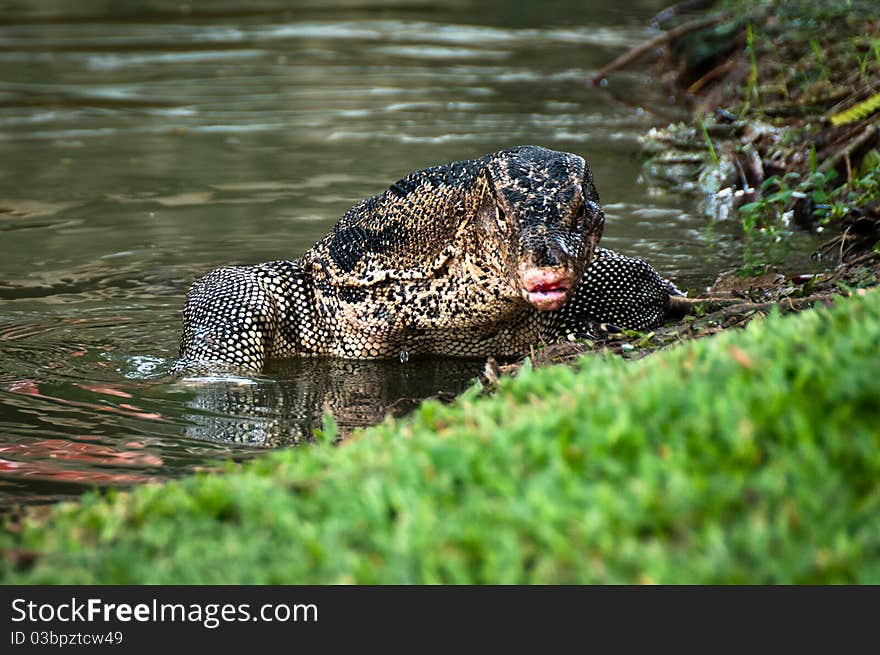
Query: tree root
661, 39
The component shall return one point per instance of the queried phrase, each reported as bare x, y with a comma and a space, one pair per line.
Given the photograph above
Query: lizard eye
579, 214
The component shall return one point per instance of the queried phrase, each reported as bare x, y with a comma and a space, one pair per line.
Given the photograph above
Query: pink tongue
546, 287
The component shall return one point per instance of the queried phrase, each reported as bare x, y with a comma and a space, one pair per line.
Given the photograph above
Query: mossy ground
752, 457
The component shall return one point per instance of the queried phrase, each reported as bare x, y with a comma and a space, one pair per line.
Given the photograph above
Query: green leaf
857, 112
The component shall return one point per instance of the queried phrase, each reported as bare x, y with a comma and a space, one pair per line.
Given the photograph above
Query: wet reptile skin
433, 265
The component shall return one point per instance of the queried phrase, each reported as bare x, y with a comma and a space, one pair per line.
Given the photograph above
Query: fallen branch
861, 140
712, 75
680, 307
659, 40
873, 254
786, 304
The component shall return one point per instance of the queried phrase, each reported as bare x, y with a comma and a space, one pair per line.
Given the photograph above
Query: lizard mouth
547, 298
546, 289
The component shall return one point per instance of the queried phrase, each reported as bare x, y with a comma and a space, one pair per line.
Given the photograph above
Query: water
144, 143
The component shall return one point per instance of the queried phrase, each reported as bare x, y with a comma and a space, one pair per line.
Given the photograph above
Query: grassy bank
750, 457
786, 98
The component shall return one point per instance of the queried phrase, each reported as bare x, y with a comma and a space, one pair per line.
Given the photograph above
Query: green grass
750, 457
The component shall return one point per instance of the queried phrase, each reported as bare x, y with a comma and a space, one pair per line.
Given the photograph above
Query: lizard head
543, 214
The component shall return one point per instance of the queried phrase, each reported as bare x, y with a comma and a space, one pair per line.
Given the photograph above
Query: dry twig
661, 39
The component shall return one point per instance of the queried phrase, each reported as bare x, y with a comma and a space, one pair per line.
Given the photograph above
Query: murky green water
142, 144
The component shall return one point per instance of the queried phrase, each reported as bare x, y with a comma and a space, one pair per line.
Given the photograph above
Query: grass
754, 88
751, 457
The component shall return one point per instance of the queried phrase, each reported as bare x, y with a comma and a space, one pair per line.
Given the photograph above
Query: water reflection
71, 435
287, 408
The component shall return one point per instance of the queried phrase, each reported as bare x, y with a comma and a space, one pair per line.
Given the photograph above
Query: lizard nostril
545, 255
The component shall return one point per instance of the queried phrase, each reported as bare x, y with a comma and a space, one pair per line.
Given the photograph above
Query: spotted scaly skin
474, 258
619, 291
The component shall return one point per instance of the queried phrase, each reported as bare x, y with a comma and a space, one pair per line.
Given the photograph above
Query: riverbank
786, 101
749, 457
783, 137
